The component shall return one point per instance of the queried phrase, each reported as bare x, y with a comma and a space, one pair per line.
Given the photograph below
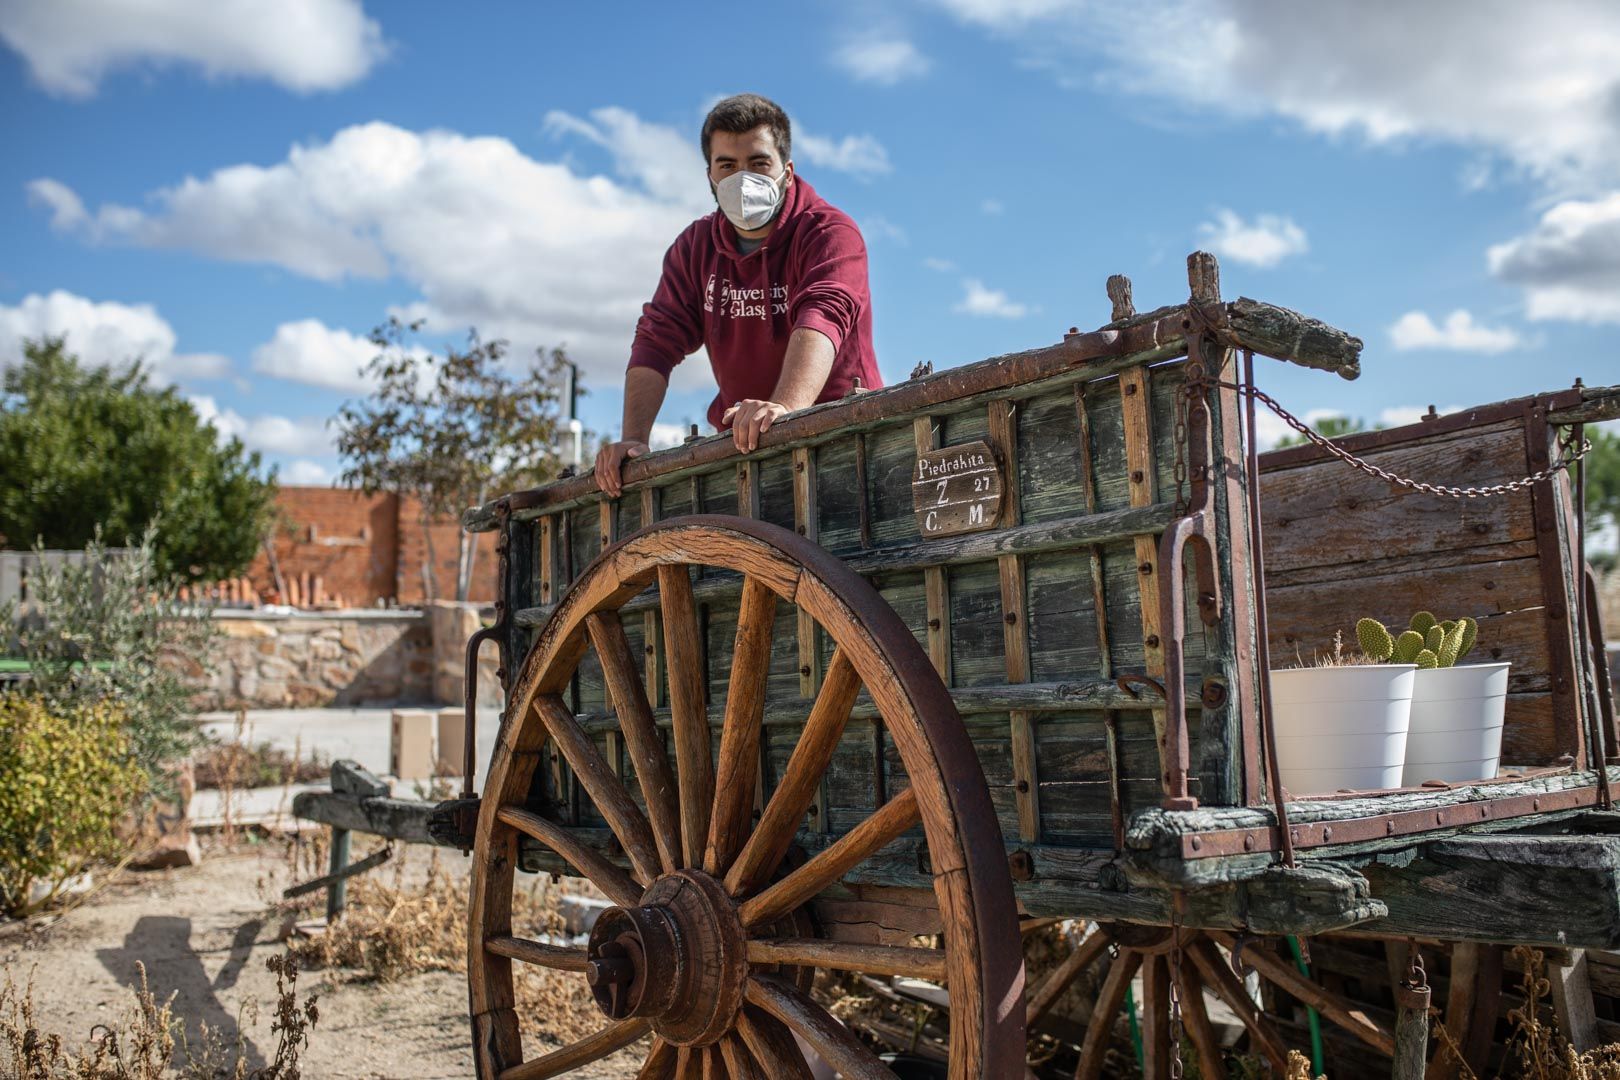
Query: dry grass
399, 923
150, 1043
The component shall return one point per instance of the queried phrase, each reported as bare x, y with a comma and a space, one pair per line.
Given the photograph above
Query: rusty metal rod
1257, 560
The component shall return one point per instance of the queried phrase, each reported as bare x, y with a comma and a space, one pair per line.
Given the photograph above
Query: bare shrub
149, 1043
395, 925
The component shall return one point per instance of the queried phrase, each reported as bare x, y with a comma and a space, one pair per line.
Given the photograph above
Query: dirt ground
204, 934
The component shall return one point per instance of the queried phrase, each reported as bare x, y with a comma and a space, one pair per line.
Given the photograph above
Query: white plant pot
1341, 727
1456, 723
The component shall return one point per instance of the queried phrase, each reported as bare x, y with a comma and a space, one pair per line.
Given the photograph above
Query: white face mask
750, 200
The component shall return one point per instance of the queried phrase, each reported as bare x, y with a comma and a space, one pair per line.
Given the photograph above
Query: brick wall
367, 547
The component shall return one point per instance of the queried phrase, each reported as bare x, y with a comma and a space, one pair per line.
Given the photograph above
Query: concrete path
357, 734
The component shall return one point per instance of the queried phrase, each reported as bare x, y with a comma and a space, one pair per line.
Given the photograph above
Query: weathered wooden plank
1327, 514
807, 520
1003, 431
1529, 890
546, 556
1279, 332
937, 595
397, 819
1141, 473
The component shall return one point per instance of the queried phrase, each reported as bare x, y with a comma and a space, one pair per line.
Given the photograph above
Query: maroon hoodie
811, 271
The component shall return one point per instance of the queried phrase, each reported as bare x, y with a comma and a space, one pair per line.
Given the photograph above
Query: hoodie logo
740, 303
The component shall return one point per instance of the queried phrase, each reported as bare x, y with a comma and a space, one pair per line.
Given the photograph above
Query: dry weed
398, 924
150, 1042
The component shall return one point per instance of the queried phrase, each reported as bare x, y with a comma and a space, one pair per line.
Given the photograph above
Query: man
773, 284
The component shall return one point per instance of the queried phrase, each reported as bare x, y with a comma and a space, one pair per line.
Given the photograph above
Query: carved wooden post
1204, 275
1119, 293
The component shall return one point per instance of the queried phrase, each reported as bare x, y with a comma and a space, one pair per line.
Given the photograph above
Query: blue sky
240, 192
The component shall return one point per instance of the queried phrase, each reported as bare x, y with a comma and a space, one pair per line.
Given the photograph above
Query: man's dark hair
745, 112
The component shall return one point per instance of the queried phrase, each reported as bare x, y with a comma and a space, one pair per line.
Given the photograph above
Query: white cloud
310, 352
1005, 14
1569, 264
305, 473
878, 225
943, 266
104, 333
665, 436
1401, 415
268, 434
988, 303
1536, 84
1265, 242
1415, 330
522, 249
882, 60
993, 207
660, 160
303, 45
861, 156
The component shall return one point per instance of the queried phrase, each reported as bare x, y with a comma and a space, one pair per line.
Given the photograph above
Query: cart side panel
1481, 557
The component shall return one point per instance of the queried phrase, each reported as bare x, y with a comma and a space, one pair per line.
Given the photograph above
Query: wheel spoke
641, 738
537, 952
603, 874
660, 1063
739, 741
714, 1068
1044, 996
772, 1045
837, 1045
1227, 987
893, 818
690, 712
739, 1062
1351, 1019
847, 956
797, 789
1196, 1020
591, 1048
623, 816
1101, 1029
1155, 1014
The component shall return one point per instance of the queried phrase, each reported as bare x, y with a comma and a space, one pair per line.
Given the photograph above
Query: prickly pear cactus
1422, 621
1451, 647
1407, 646
1425, 660
1470, 634
1433, 638
1373, 636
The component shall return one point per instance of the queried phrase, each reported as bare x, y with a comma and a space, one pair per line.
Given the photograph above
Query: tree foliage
451, 429
1329, 427
83, 449
70, 777
108, 629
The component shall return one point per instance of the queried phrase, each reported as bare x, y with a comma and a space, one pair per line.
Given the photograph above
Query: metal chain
1384, 474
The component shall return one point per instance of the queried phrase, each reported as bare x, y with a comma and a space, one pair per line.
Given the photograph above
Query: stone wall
306, 659
453, 624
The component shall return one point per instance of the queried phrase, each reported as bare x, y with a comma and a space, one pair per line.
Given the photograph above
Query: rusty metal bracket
1195, 528
496, 631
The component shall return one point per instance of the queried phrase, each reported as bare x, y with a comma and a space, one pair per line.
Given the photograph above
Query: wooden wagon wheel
1147, 952
701, 950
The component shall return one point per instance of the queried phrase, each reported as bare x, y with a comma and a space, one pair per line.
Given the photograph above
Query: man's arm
644, 390
805, 367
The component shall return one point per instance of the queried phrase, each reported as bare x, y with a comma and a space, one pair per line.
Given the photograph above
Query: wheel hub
678, 960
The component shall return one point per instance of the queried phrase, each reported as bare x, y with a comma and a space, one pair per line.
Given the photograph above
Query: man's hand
750, 419
610, 459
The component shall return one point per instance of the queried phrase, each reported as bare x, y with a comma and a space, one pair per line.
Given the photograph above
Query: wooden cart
987, 648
